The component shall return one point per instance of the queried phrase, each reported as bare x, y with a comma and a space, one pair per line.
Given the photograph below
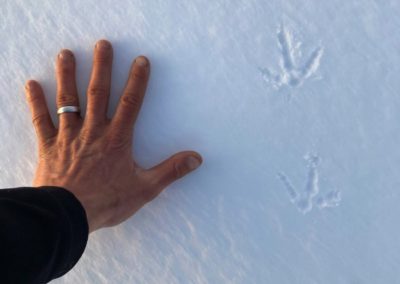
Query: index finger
41, 119
100, 82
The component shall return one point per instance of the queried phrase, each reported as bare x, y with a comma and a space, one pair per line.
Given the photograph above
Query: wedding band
68, 109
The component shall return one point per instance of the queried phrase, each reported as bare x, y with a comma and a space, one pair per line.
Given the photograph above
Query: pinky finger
41, 119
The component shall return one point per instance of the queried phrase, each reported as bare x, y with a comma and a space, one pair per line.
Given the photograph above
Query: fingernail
103, 45
28, 85
141, 61
65, 55
192, 162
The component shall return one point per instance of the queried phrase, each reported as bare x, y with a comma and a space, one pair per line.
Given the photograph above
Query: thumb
173, 168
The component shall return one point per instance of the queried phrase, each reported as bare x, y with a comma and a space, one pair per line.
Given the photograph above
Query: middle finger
100, 81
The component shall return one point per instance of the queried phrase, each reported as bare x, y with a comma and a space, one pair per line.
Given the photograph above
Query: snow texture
254, 86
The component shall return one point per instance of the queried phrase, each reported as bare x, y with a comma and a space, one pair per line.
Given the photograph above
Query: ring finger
67, 94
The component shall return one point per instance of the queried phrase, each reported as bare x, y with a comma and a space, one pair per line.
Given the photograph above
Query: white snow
253, 86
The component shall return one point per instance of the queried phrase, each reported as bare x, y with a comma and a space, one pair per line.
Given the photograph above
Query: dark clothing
43, 233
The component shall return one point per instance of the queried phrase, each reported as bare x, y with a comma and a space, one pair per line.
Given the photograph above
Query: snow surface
294, 106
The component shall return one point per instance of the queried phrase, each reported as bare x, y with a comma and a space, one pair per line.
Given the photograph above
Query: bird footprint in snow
304, 201
291, 74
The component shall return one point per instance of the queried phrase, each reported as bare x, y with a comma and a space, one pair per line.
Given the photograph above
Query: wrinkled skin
92, 156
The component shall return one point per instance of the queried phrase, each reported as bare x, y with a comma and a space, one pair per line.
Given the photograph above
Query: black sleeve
43, 233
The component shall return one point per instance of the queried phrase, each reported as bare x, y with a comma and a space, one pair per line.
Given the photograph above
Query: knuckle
96, 91
131, 100
103, 59
47, 149
46, 152
48, 142
65, 98
62, 144
34, 99
64, 70
139, 75
118, 141
68, 127
40, 118
103, 53
87, 136
177, 171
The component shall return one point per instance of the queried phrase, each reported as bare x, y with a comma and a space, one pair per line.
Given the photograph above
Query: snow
294, 106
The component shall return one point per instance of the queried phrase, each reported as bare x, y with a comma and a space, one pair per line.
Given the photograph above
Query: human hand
92, 157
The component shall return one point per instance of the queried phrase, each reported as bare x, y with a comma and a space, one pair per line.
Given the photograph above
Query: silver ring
68, 109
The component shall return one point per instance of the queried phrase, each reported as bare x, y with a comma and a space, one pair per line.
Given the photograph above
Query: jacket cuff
77, 231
